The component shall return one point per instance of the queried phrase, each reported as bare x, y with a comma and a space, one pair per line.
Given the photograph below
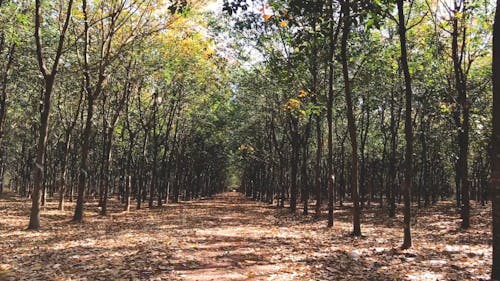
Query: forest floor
229, 237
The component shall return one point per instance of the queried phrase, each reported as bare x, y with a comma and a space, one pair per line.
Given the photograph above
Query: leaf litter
229, 237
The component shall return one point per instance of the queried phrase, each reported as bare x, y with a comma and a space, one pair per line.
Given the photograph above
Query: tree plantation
249, 140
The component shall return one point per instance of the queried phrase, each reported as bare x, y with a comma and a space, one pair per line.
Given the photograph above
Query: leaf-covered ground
231, 238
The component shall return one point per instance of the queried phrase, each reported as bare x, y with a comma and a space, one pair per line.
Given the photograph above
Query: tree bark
3, 102
64, 171
463, 119
152, 186
329, 112
48, 80
495, 157
408, 127
82, 181
351, 122
108, 143
294, 165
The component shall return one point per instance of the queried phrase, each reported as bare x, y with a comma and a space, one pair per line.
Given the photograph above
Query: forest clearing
229, 237
250, 140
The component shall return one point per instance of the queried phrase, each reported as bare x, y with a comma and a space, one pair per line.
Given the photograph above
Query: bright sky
224, 46
214, 6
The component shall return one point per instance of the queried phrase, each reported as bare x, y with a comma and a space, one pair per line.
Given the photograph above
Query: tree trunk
294, 165
152, 186
106, 175
329, 117
82, 180
49, 78
317, 176
408, 127
128, 183
463, 119
304, 174
64, 171
34, 222
392, 161
351, 122
3, 104
495, 157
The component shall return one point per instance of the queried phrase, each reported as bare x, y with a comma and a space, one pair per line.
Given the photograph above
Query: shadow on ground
228, 237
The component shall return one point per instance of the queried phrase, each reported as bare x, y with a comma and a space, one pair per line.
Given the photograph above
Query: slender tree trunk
152, 186
384, 175
34, 222
317, 176
84, 171
294, 165
425, 156
49, 78
64, 171
495, 159
178, 173
333, 35
106, 175
128, 170
281, 199
304, 174
351, 122
142, 181
329, 118
408, 127
103, 171
3, 103
463, 119
128, 183
392, 161
92, 93
365, 125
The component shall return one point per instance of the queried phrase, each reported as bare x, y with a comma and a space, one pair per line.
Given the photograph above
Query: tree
68, 127
103, 43
408, 126
458, 35
495, 157
346, 26
49, 76
8, 48
332, 37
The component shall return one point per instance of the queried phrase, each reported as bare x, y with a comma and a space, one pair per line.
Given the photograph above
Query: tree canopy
318, 103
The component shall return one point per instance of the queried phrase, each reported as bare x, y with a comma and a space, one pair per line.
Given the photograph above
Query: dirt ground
229, 237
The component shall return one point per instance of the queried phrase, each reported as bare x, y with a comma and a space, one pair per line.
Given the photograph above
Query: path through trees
229, 237
125, 112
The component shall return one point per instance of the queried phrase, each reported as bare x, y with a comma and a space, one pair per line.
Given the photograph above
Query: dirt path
224, 238
229, 237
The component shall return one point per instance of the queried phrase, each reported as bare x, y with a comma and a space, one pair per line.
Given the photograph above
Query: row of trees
399, 91
385, 101
122, 98
413, 97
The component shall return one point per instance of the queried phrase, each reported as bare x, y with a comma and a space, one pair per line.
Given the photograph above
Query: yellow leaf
292, 104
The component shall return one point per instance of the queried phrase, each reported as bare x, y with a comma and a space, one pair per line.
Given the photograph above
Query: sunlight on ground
230, 238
